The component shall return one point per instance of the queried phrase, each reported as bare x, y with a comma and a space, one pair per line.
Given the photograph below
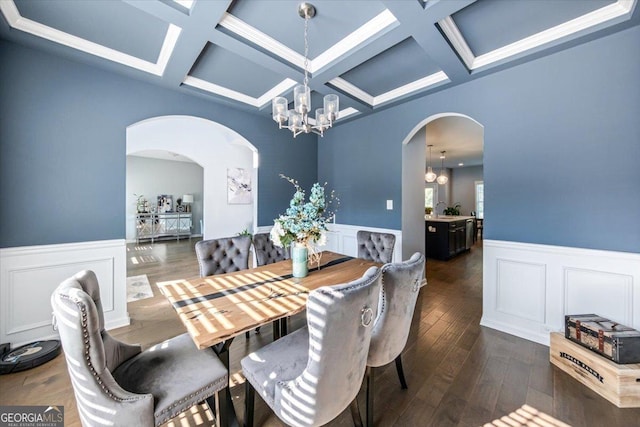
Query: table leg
276, 329
227, 412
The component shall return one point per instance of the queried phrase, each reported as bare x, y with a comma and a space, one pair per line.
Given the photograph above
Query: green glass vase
299, 255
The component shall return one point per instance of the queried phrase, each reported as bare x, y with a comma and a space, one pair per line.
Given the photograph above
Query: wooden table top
216, 308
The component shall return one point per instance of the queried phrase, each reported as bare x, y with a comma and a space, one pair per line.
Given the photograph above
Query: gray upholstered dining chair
400, 286
118, 384
266, 251
223, 255
313, 374
375, 246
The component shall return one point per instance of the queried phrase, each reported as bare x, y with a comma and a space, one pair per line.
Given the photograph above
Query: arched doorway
214, 147
414, 156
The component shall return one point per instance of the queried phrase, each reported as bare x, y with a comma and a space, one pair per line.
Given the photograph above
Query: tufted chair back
223, 255
311, 375
117, 384
340, 328
92, 355
376, 247
266, 251
400, 286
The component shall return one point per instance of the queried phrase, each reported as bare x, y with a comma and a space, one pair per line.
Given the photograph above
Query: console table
156, 225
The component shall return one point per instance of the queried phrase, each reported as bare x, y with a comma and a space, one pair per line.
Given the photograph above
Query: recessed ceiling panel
139, 34
334, 21
397, 66
490, 24
225, 68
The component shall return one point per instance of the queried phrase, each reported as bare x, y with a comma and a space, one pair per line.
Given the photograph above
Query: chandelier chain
306, 51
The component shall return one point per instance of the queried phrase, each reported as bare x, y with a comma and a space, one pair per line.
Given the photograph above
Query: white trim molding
15, 20
529, 288
422, 83
284, 86
622, 9
28, 276
377, 26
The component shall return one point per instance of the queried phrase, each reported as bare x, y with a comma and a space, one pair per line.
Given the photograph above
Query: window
428, 197
480, 199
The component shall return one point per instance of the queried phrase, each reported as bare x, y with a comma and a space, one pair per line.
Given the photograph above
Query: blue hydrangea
304, 222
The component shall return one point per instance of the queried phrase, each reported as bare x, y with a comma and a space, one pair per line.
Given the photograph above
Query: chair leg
370, 391
403, 382
249, 394
355, 412
214, 405
246, 335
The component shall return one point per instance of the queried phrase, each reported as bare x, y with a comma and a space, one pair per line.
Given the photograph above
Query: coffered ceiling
374, 54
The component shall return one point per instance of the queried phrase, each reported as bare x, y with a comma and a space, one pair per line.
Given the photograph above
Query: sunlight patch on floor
526, 416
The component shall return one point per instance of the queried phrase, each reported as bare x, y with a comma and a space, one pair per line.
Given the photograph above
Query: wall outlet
389, 205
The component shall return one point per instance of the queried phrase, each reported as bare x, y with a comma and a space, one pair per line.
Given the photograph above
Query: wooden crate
620, 384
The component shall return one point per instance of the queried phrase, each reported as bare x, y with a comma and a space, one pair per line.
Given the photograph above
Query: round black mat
29, 356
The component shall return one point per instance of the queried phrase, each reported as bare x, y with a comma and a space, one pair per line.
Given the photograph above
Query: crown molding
414, 86
391, 95
564, 30
352, 89
263, 100
18, 22
382, 22
259, 38
377, 25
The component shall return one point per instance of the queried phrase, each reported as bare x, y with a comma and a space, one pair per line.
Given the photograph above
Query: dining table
215, 309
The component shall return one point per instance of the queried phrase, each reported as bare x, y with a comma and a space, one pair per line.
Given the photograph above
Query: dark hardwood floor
459, 373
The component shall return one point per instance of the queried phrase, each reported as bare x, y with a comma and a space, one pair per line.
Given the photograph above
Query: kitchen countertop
449, 218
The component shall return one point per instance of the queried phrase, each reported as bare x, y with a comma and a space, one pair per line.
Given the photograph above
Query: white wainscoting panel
342, 239
584, 294
28, 276
520, 289
347, 243
529, 288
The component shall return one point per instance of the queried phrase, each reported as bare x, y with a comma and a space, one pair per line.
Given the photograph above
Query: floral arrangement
303, 222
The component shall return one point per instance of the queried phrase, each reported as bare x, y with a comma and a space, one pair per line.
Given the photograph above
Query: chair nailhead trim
87, 349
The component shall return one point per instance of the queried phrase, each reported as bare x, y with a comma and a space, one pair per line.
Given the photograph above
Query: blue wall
562, 149
62, 147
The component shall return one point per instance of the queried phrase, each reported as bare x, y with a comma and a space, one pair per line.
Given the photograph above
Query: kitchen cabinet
446, 237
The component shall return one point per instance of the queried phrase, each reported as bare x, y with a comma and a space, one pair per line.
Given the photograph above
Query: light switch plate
389, 205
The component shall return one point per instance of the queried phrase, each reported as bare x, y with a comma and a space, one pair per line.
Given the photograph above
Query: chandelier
430, 176
442, 179
297, 119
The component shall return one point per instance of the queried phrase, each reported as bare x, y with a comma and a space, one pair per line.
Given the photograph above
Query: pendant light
442, 179
430, 176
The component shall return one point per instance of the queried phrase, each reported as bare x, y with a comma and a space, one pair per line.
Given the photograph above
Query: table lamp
187, 199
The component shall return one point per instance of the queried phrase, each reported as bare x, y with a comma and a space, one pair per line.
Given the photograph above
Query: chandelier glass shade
442, 178
297, 119
430, 176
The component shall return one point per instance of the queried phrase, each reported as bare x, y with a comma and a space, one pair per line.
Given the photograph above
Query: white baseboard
28, 276
529, 288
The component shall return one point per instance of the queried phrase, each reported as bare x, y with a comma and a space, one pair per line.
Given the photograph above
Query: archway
214, 147
413, 170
